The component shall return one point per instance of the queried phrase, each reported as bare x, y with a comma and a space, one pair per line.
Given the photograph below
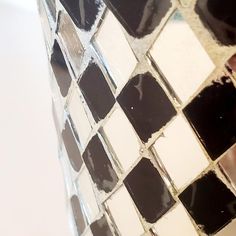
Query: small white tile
228, 230
122, 138
79, 118
124, 213
180, 152
116, 51
87, 196
181, 57
176, 222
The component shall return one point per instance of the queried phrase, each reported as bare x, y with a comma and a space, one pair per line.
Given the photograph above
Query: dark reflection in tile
213, 116
52, 7
148, 191
211, 204
71, 147
96, 91
139, 17
82, 12
78, 215
60, 70
221, 18
101, 227
146, 105
232, 63
99, 165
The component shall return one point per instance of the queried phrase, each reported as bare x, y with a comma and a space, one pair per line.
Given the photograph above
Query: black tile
213, 116
99, 165
148, 191
139, 17
60, 70
101, 227
96, 91
72, 148
82, 12
146, 105
220, 17
78, 215
211, 204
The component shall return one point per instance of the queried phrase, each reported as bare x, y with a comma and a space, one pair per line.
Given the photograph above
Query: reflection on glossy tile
176, 222
71, 147
146, 105
111, 42
99, 165
78, 215
124, 213
148, 191
211, 204
87, 196
212, 114
181, 58
122, 138
52, 7
100, 227
79, 118
96, 91
220, 17
180, 152
70, 39
139, 17
229, 230
82, 12
60, 69
228, 164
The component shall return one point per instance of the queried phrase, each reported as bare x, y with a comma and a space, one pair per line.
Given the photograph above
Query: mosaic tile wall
144, 103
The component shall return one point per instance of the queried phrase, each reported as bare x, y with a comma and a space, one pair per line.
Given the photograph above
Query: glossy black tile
60, 70
82, 12
101, 227
211, 204
96, 91
139, 17
99, 165
72, 148
220, 17
78, 215
146, 105
148, 191
213, 116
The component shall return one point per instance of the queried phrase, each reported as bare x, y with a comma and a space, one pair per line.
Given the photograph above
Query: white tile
122, 138
87, 196
88, 233
79, 118
180, 152
116, 51
176, 222
124, 213
181, 57
228, 230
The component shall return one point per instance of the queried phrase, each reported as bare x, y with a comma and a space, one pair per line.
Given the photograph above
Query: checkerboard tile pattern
144, 103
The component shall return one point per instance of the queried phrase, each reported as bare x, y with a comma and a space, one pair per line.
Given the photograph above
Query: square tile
122, 139
96, 91
146, 105
139, 17
228, 230
220, 17
71, 147
211, 204
212, 115
83, 12
87, 196
99, 165
60, 69
180, 152
181, 58
111, 41
148, 191
78, 215
175, 222
101, 228
124, 213
79, 118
